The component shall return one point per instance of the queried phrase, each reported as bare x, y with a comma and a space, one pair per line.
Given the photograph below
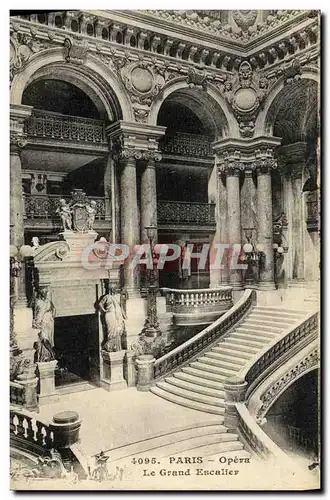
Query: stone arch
96, 79
207, 104
280, 90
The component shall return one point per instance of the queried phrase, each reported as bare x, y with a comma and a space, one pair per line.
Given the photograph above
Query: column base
113, 386
266, 286
236, 285
297, 283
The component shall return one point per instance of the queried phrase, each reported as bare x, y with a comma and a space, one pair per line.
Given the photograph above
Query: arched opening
59, 96
183, 177
293, 116
293, 422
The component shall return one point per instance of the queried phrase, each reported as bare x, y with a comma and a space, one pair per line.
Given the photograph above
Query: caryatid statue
113, 318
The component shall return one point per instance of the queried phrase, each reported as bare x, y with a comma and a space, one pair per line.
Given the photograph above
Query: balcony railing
199, 306
182, 144
313, 213
176, 212
40, 206
66, 128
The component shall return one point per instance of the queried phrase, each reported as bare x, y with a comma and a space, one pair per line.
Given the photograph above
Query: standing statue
43, 314
43, 350
66, 215
91, 211
113, 318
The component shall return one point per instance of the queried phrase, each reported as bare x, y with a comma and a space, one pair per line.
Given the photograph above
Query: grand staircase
199, 384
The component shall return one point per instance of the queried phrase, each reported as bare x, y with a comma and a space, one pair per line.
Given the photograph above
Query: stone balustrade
239, 389
17, 394
197, 306
66, 128
25, 431
192, 347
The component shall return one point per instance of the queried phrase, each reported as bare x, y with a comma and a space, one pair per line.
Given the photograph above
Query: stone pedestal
29, 381
25, 334
129, 369
235, 388
145, 367
65, 427
47, 392
113, 371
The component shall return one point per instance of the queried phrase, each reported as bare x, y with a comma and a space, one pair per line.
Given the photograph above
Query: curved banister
211, 333
253, 375
279, 347
196, 290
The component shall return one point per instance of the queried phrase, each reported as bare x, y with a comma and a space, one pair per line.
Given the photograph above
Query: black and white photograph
165, 199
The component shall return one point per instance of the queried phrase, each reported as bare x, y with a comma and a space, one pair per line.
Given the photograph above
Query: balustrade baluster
12, 425
20, 427
30, 430
39, 433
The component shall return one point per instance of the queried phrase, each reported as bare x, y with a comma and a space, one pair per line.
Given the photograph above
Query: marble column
234, 221
223, 227
265, 222
108, 188
18, 116
298, 221
148, 199
129, 220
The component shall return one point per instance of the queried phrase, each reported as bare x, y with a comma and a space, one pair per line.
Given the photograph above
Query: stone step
242, 343
203, 374
269, 326
213, 369
258, 334
227, 442
274, 318
240, 347
276, 310
191, 395
200, 381
220, 442
230, 360
231, 352
208, 359
250, 337
230, 454
190, 386
155, 442
187, 402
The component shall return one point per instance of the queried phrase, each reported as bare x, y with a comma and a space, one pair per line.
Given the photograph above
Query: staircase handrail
207, 336
26, 429
258, 367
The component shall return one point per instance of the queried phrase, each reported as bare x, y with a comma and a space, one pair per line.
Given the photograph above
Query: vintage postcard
164, 250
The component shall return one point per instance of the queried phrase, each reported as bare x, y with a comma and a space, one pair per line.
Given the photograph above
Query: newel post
235, 391
145, 369
65, 427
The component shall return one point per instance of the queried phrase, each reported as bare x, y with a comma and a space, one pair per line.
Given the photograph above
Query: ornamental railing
183, 144
26, 429
176, 212
41, 206
17, 393
313, 214
66, 128
279, 349
238, 389
206, 337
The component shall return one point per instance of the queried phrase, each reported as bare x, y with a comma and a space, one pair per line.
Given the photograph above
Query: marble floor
111, 419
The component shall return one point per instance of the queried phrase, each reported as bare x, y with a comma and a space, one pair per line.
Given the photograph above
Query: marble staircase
199, 384
206, 439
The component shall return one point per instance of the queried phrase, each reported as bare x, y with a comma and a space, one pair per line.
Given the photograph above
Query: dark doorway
77, 349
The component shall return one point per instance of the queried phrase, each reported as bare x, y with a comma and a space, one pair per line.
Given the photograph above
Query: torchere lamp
254, 256
151, 325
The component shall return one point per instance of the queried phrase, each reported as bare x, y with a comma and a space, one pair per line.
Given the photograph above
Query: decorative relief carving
309, 362
75, 51
142, 81
120, 151
245, 18
22, 47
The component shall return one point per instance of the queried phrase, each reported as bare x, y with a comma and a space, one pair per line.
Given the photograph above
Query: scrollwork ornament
265, 165
17, 142
22, 47
142, 81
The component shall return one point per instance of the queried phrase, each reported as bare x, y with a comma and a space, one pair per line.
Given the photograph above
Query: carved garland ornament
309, 362
22, 47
